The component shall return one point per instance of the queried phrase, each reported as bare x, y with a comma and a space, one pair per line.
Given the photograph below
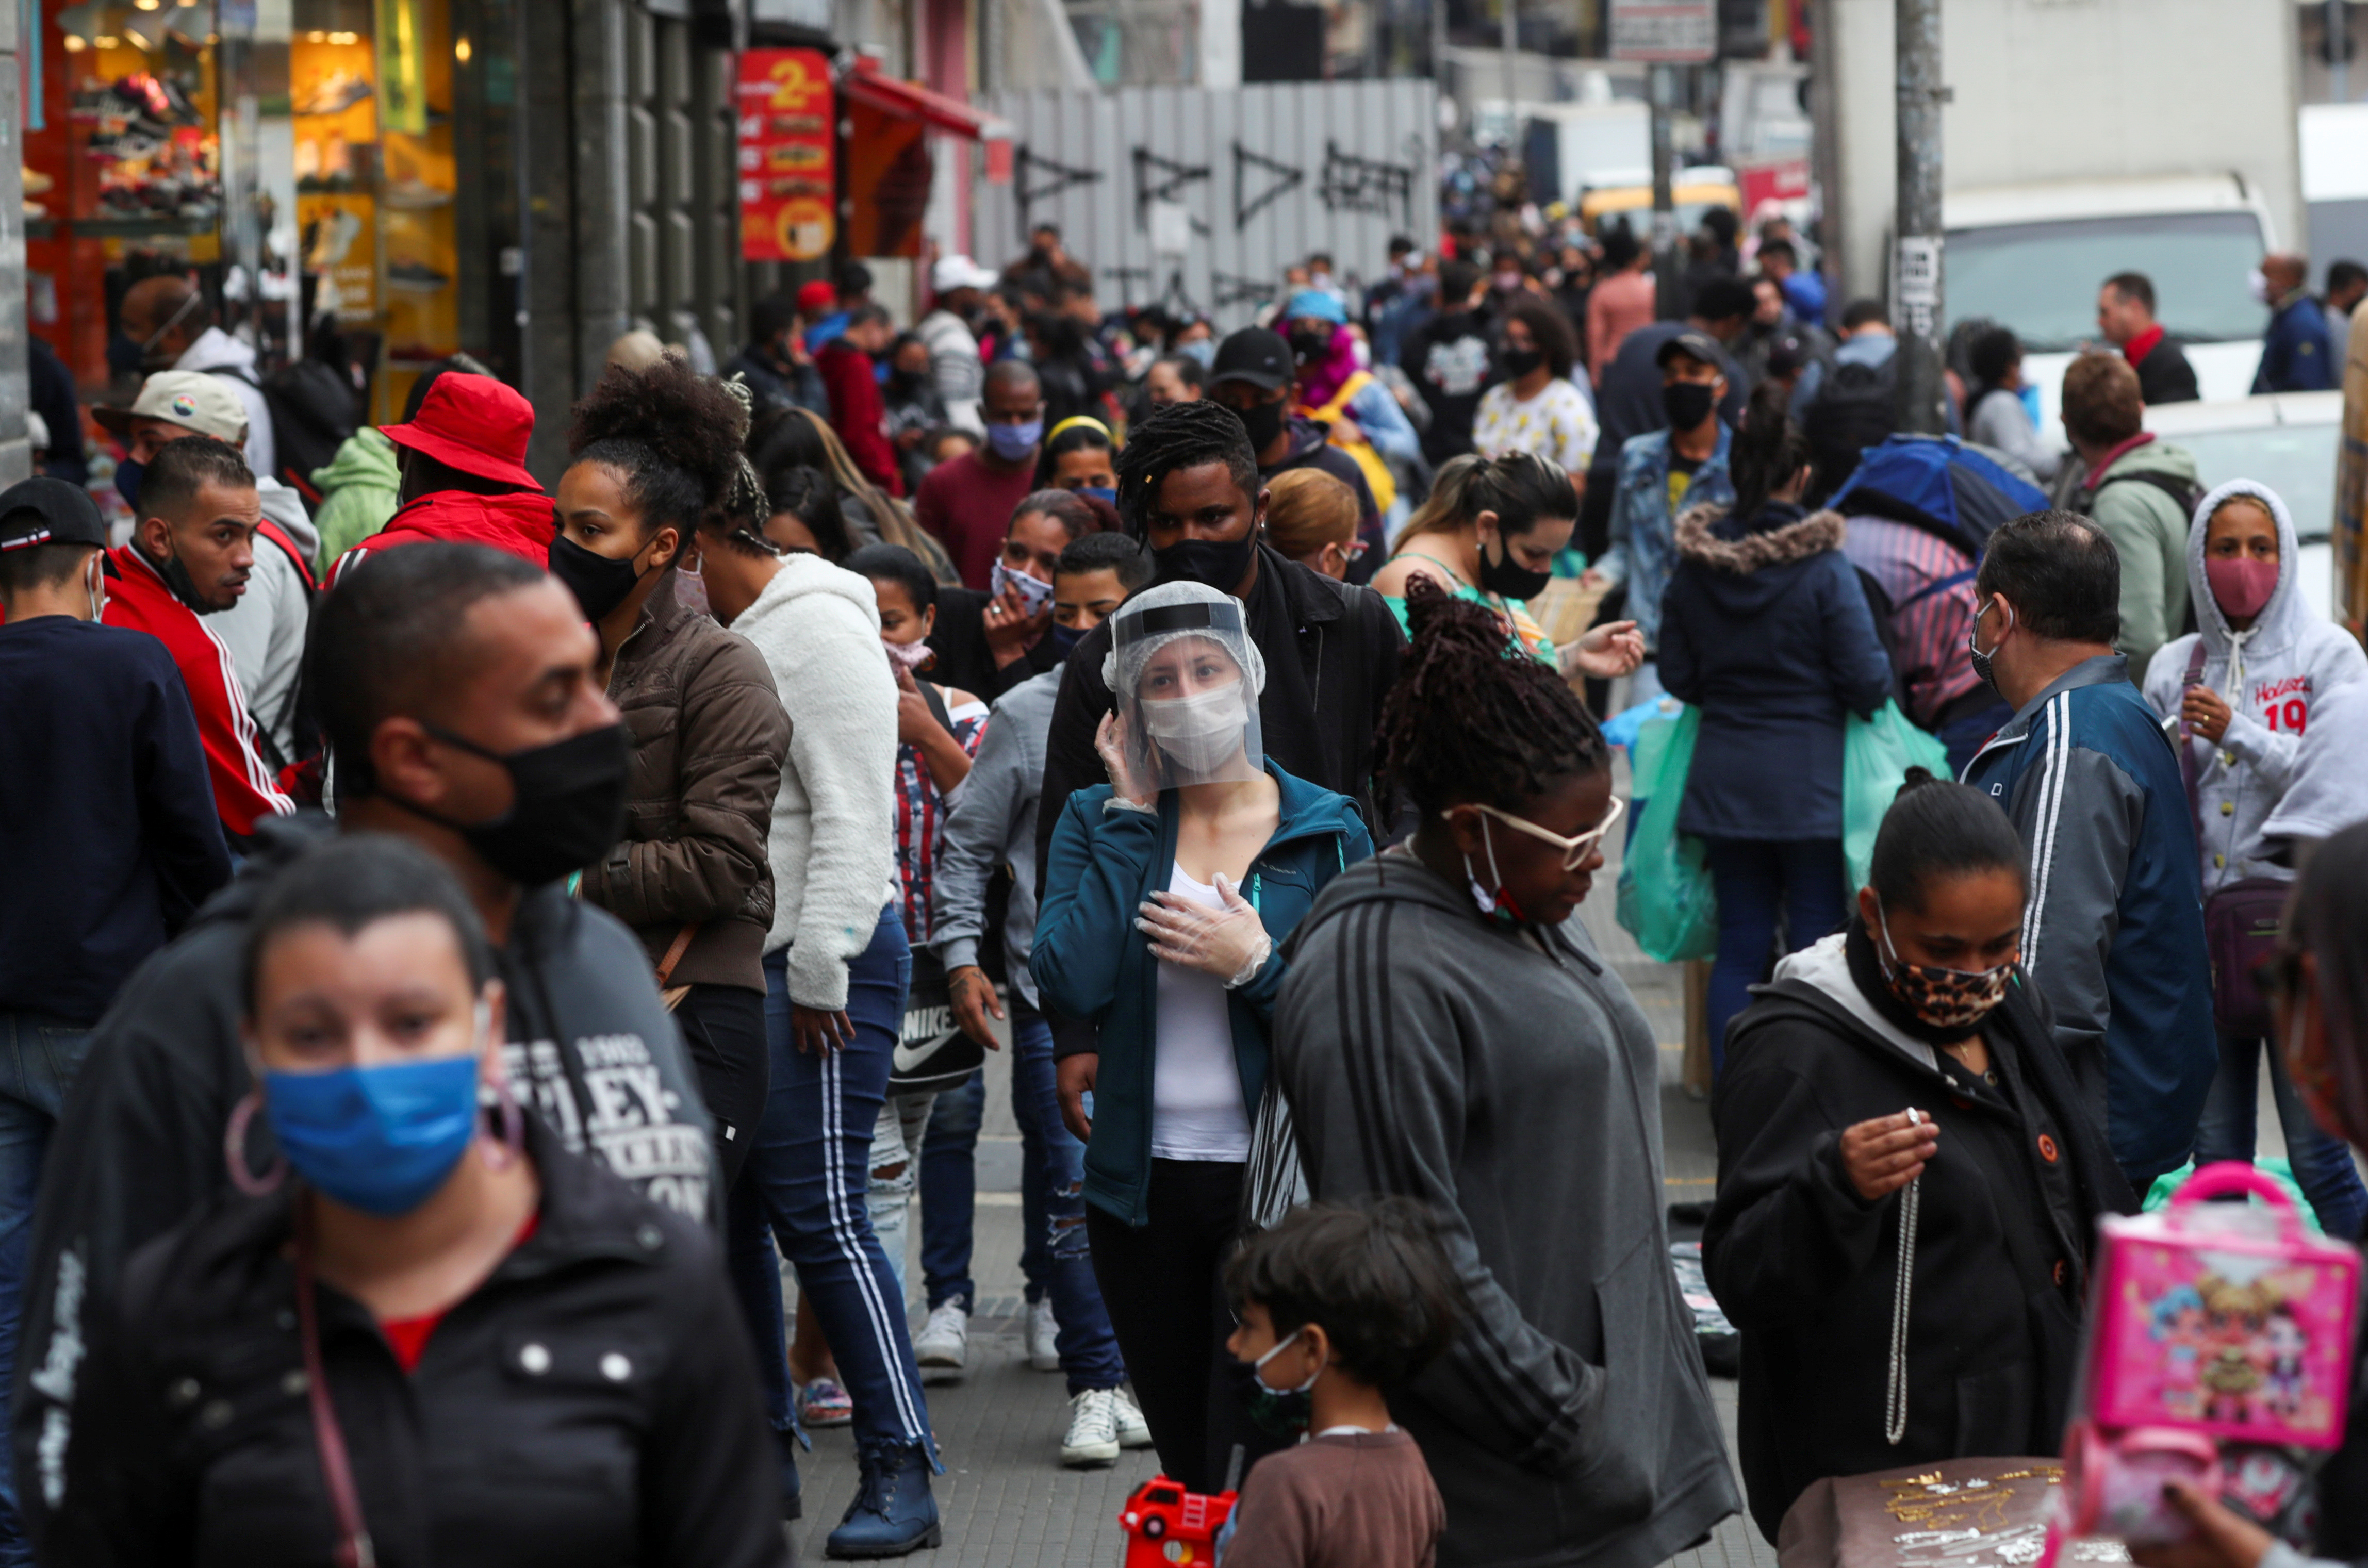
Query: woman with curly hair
1570, 1422
652, 450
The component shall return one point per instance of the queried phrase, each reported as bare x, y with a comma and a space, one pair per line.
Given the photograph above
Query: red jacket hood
518, 523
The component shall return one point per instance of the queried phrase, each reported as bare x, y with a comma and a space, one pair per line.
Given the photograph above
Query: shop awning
865, 82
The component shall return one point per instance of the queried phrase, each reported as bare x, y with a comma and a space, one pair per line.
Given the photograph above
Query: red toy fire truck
1165, 1524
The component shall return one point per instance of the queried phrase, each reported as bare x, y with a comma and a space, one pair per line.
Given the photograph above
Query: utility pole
1661, 86
1508, 45
1915, 262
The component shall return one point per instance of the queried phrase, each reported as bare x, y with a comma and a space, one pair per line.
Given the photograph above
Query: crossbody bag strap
2188, 773
353, 1548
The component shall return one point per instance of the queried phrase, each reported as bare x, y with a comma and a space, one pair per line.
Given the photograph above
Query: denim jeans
806, 1180
2322, 1164
1053, 1208
1755, 878
39, 1057
950, 1194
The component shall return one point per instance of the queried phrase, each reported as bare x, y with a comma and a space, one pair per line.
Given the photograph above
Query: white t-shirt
1196, 1089
1559, 423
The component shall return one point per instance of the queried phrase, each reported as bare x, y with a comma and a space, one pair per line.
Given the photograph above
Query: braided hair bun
1472, 718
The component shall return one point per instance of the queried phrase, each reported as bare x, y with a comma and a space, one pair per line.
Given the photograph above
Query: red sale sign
788, 191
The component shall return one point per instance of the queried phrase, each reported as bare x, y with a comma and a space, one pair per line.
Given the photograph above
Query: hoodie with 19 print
139, 1147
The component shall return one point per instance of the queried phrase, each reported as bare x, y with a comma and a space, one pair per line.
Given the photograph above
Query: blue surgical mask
1200, 351
1034, 593
1100, 493
127, 482
1066, 638
377, 1139
1011, 443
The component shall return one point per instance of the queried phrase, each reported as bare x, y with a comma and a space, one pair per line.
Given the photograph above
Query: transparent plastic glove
1127, 789
1230, 943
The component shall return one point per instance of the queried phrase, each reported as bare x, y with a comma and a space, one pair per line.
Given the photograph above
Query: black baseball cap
1695, 345
1253, 355
49, 511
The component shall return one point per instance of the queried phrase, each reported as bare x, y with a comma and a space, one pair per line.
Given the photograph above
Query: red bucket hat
474, 424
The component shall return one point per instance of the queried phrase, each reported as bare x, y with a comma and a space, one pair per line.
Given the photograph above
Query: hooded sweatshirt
518, 522
217, 353
1570, 1422
2328, 790
360, 490
264, 631
2272, 675
832, 843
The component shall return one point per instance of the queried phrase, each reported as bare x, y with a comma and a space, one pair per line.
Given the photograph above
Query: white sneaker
1133, 1431
943, 1343
1093, 1429
1043, 1344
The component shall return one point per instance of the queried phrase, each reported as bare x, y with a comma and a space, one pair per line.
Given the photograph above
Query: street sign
788, 178
1667, 32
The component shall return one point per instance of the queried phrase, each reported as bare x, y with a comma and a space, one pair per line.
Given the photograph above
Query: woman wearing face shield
1168, 893
427, 1333
1909, 1178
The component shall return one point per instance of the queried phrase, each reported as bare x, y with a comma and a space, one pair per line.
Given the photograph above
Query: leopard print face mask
1945, 998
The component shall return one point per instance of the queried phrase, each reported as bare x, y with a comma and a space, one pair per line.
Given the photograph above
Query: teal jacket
1090, 962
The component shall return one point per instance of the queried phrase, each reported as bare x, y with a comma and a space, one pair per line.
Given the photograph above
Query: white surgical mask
1199, 731
95, 585
2256, 283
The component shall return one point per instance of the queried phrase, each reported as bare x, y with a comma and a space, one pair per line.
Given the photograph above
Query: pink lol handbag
2207, 1322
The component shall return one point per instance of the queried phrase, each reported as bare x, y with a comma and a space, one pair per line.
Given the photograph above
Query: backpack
313, 415
2184, 493
1856, 408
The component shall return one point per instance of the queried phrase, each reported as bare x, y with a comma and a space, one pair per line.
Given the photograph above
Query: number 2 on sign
2293, 712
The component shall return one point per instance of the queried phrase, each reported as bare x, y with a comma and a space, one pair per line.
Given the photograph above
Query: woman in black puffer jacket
445, 1341
1765, 628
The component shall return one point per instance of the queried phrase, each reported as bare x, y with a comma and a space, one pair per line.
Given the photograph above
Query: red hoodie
520, 523
859, 414
245, 789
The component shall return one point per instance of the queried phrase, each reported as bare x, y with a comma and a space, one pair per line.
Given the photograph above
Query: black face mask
1264, 423
598, 583
1686, 404
569, 804
1202, 561
177, 577
1507, 578
1306, 347
1520, 362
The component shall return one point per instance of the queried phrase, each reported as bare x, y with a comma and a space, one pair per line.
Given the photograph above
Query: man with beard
190, 555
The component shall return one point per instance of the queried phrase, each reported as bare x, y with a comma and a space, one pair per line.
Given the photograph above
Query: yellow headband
1076, 420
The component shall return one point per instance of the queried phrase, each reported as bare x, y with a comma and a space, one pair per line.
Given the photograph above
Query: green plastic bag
1666, 901
1876, 754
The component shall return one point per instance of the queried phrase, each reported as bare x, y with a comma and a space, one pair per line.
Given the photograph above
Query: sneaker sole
1045, 1363
1143, 1442
1092, 1456
935, 1372
928, 1540
826, 1418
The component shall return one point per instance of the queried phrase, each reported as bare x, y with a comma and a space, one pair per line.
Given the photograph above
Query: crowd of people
470, 937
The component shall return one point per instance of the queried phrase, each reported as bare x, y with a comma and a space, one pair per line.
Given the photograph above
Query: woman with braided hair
1449, 1033
654, 451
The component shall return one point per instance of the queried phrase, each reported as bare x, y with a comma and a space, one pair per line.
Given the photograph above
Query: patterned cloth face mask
1945, 998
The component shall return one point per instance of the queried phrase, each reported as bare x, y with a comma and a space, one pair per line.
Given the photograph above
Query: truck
2082, 138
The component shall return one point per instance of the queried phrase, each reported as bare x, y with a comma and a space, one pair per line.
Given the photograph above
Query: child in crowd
1333, 1303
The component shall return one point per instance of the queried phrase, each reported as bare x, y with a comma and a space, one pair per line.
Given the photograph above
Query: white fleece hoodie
834, 859
2271, 676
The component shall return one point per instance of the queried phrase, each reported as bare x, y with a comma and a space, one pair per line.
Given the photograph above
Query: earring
234, 1151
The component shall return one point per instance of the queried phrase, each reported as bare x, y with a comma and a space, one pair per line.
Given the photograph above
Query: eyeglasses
1574, 850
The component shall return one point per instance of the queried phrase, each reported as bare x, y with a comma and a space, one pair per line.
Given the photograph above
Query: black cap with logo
1256, 356
49, 511
1695, 345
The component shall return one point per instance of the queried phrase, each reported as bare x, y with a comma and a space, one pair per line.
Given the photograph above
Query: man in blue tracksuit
2113, 936
2295, 352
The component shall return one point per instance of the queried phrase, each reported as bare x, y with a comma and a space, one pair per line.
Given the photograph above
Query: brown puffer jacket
709, 735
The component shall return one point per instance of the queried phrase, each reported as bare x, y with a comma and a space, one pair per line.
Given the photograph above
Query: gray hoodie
2328, 790
264, 631
1504, 1076
991, 821
2273, 675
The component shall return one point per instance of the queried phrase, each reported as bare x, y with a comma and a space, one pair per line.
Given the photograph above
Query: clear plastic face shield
1187, 680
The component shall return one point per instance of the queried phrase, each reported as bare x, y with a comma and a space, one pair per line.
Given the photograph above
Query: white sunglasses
1574, 850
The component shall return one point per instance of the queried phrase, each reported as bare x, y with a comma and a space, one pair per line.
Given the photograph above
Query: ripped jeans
895, 1168
1053, 1206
